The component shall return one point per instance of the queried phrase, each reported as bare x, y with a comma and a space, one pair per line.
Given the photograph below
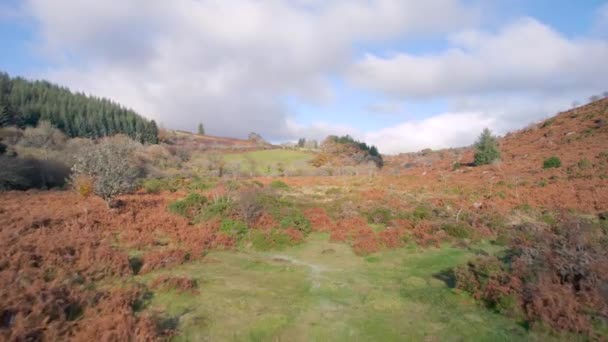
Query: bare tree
112, 165
217, 162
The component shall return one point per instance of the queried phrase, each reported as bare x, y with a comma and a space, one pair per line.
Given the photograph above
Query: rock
478, 205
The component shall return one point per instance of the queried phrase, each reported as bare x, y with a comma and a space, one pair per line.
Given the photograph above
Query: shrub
486, 148
274, 239
236, 228
249, 205
189, 206
43, 136
552, 162
278, 185
584, 164
552, 276
422, 212
296, 220
83, 185
26, 173
457, 230
218, 207
112, 164
154, 186
380, 216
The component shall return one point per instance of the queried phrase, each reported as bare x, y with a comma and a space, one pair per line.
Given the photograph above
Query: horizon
433, 75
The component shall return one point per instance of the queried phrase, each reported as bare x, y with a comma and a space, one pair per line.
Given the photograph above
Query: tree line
25, 103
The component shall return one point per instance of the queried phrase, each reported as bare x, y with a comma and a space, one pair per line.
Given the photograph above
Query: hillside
25, 103
198, 142
427, 248
578, 137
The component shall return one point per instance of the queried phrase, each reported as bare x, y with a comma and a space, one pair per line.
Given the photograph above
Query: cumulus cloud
232, 64
525, 56
225, 63
505, 80
439, 131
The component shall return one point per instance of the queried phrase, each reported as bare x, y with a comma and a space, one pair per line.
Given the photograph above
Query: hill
198, 142
577, 137
25, 103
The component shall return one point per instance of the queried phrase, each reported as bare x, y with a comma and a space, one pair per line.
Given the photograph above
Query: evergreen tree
25, 103
486, 148
201, 129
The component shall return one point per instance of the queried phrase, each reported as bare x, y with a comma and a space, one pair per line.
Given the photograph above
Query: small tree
217, 162
201, 129
486, 148
301, 142
43, 136
112, 165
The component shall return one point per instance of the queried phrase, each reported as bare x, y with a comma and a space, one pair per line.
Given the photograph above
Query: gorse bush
154, 186
235, 228
486, 148
380, 216
295, 219
278, 185
457, 230
552, 162
217, 207
273, 239
188, 207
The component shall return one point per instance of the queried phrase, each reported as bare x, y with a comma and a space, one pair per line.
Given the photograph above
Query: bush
154, 186
486, 148
235, 228
218, 207
83, 185
552, 162
249, 205
274, 239
278, 185
43, 136
380, 216
26, 173
553, 276
457, 230
112, 164
296, 220
422, 212
189, 206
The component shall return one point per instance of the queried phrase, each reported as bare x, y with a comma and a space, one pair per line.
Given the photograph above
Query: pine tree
201, 129
25, 103
486, 148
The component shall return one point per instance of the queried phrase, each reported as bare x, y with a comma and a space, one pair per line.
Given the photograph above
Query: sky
400, 74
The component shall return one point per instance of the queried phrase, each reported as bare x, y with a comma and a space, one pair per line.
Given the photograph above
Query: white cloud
526, 56
440, 131
226, 63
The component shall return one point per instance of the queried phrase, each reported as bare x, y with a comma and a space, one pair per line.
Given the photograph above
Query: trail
315, 270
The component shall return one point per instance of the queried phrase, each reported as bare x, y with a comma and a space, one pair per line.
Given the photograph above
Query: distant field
266, 161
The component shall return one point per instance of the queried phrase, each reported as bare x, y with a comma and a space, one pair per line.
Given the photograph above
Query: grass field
321, 291
266, 161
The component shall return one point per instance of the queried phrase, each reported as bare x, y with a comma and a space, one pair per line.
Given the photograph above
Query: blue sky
400, 74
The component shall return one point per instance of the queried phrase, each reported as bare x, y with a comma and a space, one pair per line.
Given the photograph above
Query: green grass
303, 293
265, 159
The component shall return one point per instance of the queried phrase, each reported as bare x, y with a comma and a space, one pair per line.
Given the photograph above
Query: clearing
322, 291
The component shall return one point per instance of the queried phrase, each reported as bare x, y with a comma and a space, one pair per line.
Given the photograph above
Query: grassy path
321, 291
